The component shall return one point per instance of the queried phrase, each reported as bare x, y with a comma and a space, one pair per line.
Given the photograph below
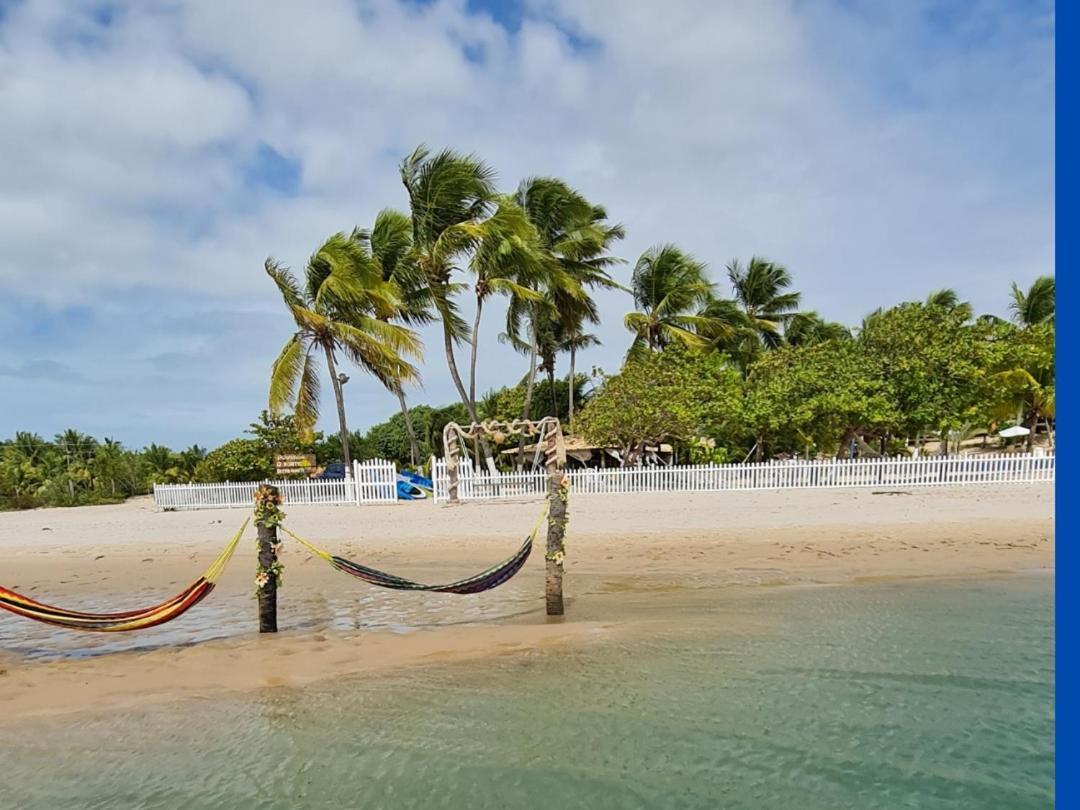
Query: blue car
333, 472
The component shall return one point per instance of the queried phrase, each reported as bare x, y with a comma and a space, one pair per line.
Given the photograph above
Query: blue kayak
408, 491
418, 480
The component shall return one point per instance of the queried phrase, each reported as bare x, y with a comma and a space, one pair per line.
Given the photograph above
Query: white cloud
878, 151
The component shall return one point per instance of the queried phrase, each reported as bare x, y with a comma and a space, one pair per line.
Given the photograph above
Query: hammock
484, 581
127, 620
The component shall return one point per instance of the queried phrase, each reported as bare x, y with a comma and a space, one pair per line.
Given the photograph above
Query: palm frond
1035, 306
375, 349
286, 283
390, 239
306, 409
285, 372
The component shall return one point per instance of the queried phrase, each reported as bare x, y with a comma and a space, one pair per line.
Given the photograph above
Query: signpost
294, 464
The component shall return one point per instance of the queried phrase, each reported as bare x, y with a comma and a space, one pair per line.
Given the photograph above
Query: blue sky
155, 153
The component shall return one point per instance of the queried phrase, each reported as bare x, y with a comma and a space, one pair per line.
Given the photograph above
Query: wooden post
267, 558
557, 517
450, 452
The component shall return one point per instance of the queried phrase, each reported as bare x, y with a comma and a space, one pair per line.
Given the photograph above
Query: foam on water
929, 695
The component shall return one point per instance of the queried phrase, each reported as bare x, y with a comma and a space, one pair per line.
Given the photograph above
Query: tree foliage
237, 460
814, 398
75, 469
675, 395
934, 361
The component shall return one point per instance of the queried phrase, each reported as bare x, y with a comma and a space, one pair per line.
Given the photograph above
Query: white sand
629, 556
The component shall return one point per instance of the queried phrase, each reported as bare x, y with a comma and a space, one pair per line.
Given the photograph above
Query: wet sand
633, 561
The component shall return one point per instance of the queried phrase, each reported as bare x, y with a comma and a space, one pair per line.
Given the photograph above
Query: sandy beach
632, 561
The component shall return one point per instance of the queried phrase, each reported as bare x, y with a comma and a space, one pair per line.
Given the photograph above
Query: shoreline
297, 658
634, 564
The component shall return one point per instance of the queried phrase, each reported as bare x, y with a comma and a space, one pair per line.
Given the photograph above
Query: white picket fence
371, 482
811, 474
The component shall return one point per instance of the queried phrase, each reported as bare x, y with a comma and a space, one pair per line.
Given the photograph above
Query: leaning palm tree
343, 306
450, 194
390, 241
507, 260
762, 290
669, 288
1034, 306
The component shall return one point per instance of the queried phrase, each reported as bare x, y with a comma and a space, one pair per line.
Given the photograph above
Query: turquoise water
893, 695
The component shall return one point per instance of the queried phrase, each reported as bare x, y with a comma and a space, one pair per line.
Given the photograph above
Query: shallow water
928, 695
230, 610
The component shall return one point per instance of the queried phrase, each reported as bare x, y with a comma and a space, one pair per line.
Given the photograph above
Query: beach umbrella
1015, 430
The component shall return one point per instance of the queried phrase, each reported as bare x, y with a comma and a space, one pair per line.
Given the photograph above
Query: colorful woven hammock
484, 581
127, 620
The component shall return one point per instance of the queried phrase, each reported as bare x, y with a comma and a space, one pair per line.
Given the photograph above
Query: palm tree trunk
527, 407
572, 380
414, 445
551, 382
451, 363
469, 403
343, 431
473, 351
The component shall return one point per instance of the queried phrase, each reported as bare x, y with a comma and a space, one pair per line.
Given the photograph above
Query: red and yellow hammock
126, 620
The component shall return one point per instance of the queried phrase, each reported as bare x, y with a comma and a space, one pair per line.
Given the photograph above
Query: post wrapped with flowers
268, 574
558, 498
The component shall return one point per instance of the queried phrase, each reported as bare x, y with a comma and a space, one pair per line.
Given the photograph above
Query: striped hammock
126, 620
484, 581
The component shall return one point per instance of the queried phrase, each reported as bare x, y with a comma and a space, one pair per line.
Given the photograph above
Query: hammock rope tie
127, 620
484, 581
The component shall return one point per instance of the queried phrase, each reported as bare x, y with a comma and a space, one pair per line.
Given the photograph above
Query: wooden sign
294, 464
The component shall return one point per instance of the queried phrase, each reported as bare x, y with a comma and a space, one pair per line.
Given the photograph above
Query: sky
154, 153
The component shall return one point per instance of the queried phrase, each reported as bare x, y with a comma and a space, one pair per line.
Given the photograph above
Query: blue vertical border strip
1067, 553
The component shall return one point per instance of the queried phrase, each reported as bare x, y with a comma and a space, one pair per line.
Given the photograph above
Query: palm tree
507, 260
189, 460
762, 291
1030, 382
1036, 305
576, 237
574, 341
107, 464
809, 328
948, 299
726, 328
449, 196
390, 241
163, 464
1028, 391
669, 287
76, 450
76, 446
344, 306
